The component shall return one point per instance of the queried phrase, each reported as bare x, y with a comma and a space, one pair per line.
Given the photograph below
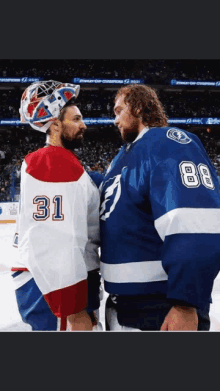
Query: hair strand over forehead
144, 98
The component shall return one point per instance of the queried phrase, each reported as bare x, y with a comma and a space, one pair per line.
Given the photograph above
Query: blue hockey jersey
160, 218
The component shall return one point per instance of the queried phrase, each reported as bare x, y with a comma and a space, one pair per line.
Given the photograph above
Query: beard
70, 143
130, 133
129, 137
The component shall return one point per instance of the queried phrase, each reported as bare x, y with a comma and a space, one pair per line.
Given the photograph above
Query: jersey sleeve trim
188, 220
145, 271
69, 300
21, 278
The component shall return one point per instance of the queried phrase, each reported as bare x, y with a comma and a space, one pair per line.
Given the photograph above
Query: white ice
10, 319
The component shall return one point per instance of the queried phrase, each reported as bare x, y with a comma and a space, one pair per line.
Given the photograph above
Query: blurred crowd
187, 103
97, 151
211, 142
96, 155
152, 71
100, 102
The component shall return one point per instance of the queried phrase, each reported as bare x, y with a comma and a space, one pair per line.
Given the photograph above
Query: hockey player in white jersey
57, 273
159, 222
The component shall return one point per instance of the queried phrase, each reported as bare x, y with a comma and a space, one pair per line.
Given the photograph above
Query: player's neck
54, 140
141, 127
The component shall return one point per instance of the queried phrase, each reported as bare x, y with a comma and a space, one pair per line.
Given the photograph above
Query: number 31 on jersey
43, 208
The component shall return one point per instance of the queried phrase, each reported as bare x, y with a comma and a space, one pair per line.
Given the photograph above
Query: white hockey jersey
58, 227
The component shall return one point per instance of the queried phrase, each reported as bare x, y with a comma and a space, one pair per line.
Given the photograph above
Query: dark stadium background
102, 142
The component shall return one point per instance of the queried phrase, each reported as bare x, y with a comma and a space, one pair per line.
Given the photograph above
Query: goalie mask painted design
42, 101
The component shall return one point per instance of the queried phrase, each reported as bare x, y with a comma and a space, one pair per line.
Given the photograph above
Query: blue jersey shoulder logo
178, 136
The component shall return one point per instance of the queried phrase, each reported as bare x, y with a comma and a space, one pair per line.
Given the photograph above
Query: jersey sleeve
93, 243
57, 221
97, 177
185, 201
92, 258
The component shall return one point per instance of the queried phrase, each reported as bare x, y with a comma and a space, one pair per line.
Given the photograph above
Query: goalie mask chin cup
42, 102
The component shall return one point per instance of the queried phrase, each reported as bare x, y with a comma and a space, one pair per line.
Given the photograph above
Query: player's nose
116, 121
84, 126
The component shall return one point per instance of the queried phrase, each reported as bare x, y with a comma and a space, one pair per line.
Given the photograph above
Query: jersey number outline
191, 175
43, 208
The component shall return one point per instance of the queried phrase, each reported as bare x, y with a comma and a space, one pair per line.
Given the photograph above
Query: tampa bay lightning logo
178, 135
112, 194
0, 210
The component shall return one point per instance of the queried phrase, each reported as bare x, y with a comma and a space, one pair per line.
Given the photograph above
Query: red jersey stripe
69, 300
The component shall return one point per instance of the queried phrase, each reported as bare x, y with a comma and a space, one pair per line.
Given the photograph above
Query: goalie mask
42, 101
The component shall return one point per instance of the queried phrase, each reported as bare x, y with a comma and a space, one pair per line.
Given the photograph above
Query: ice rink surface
10, 319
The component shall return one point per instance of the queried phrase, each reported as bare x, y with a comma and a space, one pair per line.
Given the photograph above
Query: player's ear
138, 112
56, 125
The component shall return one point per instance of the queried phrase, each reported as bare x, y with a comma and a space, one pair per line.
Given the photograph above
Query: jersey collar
141, 134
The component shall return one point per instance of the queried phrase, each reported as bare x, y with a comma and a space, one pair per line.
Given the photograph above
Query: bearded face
72, 128
127, 124
70, 141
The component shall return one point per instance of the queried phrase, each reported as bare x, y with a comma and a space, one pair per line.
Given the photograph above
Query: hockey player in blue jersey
159, 221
